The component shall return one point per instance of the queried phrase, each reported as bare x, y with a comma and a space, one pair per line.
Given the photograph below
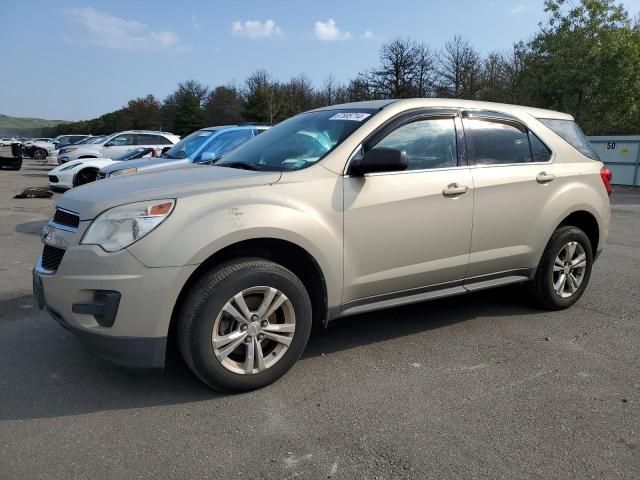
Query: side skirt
421, 294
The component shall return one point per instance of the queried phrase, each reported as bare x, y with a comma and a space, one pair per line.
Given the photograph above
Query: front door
409, 229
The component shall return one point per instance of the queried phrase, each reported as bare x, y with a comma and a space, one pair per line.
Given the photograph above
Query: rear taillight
606, 176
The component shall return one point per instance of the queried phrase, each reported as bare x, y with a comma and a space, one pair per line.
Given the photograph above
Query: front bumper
136, 336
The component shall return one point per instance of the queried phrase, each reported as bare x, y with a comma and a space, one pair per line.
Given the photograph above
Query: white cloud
255, 29
518, 9
328, 31
116, 32
194, 22
368, 35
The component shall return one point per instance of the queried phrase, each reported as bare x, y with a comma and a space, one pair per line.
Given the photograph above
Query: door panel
402, 232
513, 181
508, 202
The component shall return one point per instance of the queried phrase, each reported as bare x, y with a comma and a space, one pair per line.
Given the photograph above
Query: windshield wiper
240, 165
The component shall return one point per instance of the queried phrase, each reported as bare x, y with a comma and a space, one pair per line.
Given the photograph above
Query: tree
224, 106
144, 113
459, 70
182, 110
586, 61
406, 70
264, 98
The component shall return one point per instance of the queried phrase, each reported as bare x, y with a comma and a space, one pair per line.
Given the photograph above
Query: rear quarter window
569, 131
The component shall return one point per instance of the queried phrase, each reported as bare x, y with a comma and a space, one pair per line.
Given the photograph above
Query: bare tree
459, 69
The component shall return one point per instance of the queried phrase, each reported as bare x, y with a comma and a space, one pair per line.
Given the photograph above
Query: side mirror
380, 160
208, 157
108, 144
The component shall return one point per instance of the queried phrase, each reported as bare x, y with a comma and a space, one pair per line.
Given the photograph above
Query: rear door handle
454, 189
544, 177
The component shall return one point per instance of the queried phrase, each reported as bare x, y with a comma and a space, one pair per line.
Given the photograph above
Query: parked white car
117, 144
80, 172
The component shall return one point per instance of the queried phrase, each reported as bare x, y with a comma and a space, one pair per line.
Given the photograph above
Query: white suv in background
117, 144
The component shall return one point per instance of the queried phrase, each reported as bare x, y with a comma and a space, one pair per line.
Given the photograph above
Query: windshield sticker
356, 117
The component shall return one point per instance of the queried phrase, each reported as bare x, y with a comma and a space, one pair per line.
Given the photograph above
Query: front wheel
244, 324
40, 154
564, 270
84, 176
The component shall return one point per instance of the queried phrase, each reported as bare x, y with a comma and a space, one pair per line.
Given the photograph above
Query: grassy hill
24, 126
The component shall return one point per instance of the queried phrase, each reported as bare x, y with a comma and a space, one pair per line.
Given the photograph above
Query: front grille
62, 217
53, 179
51, 257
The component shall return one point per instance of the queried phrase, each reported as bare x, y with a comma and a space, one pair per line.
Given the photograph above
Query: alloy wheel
569, 269
253, 330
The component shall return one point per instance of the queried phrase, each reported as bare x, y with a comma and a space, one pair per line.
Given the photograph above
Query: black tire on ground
40, 154
84, 176
204, 303
541, 288
17, 165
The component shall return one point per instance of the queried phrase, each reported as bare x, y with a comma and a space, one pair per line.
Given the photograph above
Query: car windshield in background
571, 133
94, 140
134, 154
190, 144
298, 142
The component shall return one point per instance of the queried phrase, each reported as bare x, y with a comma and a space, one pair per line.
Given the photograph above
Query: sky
78, 59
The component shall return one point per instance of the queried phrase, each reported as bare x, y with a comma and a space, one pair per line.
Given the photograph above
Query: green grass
20, 123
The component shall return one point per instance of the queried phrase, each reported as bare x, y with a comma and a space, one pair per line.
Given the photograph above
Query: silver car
338, 211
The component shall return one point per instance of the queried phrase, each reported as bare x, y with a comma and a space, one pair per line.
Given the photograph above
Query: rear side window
539, 151
142, 139
494, 142
569, 131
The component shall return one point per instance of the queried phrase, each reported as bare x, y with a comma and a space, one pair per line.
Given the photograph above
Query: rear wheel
564, 270
40, 154
84, 176
244, 324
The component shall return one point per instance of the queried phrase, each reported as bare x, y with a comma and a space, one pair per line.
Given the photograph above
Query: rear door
410, 229
513, 177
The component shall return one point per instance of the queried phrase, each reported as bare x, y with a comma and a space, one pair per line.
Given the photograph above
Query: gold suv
337, 211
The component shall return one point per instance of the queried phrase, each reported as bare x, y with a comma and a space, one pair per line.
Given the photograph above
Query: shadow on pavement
48, 373
31, 228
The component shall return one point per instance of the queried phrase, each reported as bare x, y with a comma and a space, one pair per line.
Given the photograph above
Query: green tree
224, 106
586, 61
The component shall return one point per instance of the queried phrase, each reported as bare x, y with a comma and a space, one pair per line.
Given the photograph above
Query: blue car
203, 146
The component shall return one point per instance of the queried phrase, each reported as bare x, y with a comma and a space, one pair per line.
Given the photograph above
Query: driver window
428, 143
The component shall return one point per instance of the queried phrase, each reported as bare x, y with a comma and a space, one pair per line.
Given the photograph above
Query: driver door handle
544, 177
454, 189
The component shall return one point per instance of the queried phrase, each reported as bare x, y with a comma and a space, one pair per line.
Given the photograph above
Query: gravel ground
481, 386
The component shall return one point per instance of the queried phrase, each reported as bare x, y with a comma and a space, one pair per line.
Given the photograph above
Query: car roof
238, 127
452, 103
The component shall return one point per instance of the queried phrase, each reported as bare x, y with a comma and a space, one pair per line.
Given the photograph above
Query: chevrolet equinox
337, 211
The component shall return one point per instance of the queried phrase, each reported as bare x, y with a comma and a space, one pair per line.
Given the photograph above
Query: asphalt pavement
480, 386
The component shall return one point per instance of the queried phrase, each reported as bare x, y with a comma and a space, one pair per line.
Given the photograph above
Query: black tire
541, 288
40, 154
17, 165
84, 176
204, 303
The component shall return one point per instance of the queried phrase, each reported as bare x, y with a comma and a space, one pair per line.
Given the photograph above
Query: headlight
119, 227
69, 166
124, 171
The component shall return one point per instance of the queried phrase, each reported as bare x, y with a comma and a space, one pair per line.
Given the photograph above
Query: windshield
298, 142
189, 145
94, 140
134, 154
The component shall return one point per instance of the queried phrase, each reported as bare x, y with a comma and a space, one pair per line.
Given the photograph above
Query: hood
143, 163
91, 199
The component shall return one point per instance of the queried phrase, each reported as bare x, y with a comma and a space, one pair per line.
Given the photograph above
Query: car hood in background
94, 198
143, 163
